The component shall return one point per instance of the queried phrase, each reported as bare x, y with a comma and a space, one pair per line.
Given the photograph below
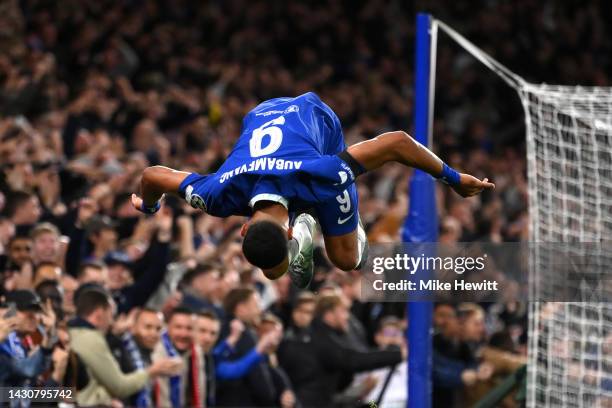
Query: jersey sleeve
193, 190
330, 125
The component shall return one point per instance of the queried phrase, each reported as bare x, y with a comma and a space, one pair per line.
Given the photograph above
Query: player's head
265, 245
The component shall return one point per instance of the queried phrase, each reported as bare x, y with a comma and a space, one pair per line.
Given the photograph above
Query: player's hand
137, 202
470, 185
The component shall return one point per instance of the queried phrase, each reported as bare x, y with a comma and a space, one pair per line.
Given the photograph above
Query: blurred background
94, 91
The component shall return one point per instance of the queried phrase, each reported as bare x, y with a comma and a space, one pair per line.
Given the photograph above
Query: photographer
21, 361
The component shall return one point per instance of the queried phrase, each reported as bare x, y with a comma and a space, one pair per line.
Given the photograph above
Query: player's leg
300, 249
400, 147
155, 182
345, 239
348, 251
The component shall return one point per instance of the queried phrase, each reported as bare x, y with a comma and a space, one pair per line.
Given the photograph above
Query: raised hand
236, 329
7, 325
470, 185
124, 322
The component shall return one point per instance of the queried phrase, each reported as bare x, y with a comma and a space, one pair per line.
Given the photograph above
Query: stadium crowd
164, 310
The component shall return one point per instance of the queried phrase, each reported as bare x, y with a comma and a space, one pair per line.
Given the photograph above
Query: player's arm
400, 147
155, 182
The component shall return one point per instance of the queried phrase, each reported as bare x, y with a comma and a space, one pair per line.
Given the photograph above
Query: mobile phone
11, 311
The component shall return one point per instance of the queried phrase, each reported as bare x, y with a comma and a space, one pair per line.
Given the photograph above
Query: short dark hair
179, 310
304, 298
327, 303
146, 310
209, 314
90, 300
90, 264
201, 268
237, 296
16, 199
47, 283
265, 244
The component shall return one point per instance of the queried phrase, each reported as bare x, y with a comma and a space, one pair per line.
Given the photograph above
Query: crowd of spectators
137, 311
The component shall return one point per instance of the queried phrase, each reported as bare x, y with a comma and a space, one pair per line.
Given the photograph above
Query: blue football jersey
287, 152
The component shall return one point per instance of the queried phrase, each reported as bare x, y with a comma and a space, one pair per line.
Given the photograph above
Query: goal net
569, 148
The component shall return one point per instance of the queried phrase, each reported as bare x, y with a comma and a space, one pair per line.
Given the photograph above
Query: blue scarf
12, 346
143, 399
175, 381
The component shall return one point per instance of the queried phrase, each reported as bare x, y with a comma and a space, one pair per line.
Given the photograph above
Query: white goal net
569, 148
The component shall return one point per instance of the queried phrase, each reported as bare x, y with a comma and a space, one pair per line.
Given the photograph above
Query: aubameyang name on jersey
265, 163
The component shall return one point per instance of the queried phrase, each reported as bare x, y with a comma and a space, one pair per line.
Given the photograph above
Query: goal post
569, 172
421, 224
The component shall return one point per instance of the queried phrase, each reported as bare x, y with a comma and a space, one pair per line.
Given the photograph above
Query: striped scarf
143, 397
175, 381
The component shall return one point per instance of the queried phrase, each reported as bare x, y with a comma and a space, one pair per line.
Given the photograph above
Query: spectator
390, 388
239, 368
259, 387
46, 271
272, 325
21, 360
19, 252
296, 350
24, 210
149, 269
93, 272
147, 331
187, 388
207, 328
69, 287
444, 314
46, 243
198, 287
455, 364
102, 235
335, 354
105, 381
50, 290
145, 327
7, 230
7, 325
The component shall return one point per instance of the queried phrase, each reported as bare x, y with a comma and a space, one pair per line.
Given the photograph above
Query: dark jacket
149, 273
333, 356
295, 355
259, 387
